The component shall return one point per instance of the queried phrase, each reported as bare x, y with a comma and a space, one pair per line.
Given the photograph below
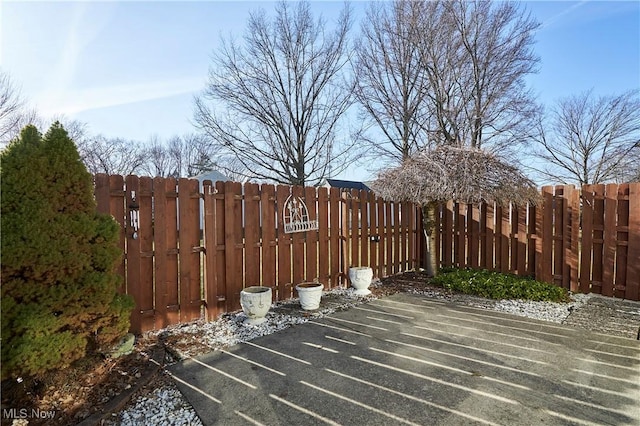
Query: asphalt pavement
408, 359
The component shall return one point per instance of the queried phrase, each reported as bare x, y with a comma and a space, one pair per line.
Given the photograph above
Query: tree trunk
431, 253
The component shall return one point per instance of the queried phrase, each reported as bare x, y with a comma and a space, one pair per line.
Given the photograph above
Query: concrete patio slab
408, 359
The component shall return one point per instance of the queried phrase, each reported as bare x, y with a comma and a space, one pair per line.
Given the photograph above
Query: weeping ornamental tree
59, 285
463, 174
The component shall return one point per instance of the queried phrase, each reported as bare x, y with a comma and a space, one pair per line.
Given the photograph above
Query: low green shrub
496, 285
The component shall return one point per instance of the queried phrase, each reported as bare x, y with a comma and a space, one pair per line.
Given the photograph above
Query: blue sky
131, 69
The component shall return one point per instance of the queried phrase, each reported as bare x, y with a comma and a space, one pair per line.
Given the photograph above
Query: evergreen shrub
59, 285
496, 285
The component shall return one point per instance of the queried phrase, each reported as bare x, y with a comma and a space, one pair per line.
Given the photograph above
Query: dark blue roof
348, 184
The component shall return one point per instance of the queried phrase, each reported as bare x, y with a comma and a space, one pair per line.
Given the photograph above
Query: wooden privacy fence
584, 240
190, 250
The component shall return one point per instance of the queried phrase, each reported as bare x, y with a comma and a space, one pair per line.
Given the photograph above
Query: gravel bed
165, 405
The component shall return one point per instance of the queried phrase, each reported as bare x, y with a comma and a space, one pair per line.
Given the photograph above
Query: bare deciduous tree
390, 84
469, 84
590, 140
111, 155
14, 113
494, 58
463, 174
276, 100
158, 162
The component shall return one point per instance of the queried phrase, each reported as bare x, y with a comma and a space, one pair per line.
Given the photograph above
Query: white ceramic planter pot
360, 277
310, 295
255, 302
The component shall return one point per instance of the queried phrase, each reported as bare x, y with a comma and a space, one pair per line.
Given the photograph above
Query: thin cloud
557, 16
74, 101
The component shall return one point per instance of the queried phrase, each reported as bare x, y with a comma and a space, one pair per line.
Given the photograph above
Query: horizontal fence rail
189, 249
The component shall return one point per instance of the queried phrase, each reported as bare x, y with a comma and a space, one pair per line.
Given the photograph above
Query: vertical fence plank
323, 237
268, 237
539, 274
102, 193
188, 244
210, 246
310, 197
373, 232
522, 240
598, 238
233, 243
133, 253
490, 236
610, 231
117, 208
285, 289
145, 235
335, 236
498, 237
482, 246
513, 256
110, 201
622, 240
448, 233
547, 234
396, 237
437, 233
505, 227
354, 228
573, 205
473, 215
412, 263
364, 228
381, 238
160, 248
632, 287
221, 252
404, 236
388, 262
532, 236
421, 239
587, 239
172, 290
251, 209
298, 245
461, 235
559, 220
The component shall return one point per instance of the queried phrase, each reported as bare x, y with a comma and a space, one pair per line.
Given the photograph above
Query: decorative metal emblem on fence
296, 216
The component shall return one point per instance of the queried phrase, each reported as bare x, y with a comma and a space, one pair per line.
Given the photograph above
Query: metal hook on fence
134, 215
